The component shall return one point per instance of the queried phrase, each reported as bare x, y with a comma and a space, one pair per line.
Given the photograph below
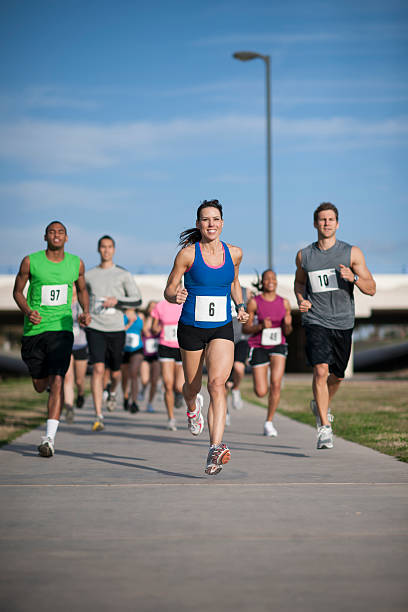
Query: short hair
325, 206
52, 223
106, 237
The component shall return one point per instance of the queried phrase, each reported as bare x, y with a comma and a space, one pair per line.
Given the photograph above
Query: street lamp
245, 56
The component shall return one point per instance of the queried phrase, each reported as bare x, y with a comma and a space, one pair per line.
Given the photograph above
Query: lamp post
245, 56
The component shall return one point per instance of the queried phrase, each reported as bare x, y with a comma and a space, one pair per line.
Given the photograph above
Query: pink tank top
276, 311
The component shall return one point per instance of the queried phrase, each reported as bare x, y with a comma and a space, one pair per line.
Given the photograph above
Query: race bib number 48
271, 336
323, 280
54, 295
211, 308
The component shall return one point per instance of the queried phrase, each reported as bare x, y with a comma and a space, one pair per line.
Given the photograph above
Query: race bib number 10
323, 280
211, 308
54, 295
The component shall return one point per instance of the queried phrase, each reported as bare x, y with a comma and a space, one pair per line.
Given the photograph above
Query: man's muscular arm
18, 295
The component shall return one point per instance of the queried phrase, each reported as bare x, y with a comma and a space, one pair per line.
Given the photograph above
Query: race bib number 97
323, 280
211, 308
54, 295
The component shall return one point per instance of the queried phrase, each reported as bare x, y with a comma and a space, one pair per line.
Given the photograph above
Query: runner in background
267, 342
132, 358
150, 368
75, 376
241, 351
165, 322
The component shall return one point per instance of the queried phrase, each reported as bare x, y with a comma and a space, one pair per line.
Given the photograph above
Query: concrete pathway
126, 519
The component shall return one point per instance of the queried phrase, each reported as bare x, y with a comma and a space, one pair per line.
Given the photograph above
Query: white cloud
65, 147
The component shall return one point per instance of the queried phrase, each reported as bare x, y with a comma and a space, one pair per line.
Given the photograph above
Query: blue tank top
208, 303
133, 335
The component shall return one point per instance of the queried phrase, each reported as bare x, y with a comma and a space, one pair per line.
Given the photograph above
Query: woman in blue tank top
210, 269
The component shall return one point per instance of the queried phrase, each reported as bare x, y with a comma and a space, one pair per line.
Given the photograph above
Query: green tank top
50, 292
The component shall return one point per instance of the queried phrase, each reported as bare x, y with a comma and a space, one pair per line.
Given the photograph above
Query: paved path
127, 520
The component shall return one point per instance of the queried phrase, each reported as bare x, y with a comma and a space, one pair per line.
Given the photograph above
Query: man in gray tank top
326, 273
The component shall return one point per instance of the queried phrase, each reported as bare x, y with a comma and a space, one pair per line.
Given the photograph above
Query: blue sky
121, 117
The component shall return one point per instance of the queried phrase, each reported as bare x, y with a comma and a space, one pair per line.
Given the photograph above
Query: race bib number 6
211, 308
54, 295
323, 280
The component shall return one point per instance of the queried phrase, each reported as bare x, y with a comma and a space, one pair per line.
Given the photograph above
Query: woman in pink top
267, 342
165, 321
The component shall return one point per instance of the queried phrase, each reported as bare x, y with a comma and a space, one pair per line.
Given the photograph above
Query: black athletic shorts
259, 355
331, 346
151, 358
192, 338
47, 353
106, 347
241, 351
80, 354
128, 354
169, 353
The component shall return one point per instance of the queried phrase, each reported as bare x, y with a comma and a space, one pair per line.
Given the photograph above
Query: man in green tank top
47, 338
326, 273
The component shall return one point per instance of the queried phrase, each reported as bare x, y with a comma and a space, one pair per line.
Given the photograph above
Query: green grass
373, 413
21, 408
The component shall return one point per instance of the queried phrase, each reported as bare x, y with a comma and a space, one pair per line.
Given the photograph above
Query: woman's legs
193, 374
168, 370
219, 358
69, 384
134, 368
80, 366
154, 375
278, 363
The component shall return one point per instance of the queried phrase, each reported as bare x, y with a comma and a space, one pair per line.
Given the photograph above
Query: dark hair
106, 237
52, 223
325, 206
259, 279
193, 235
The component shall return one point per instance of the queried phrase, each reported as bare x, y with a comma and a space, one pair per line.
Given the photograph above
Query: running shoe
217, 457
179, 400
150, 407
141, 394
269, 429
69, 414
46, 448
171, 425
98, 424
80, 400
324, 437
125, 403
237, 402
134, 408
196, 419
106, 392
111, 402
313, 408
227, 419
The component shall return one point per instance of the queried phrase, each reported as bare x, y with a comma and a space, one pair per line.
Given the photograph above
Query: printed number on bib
170, 333
323, 280
151, 345
211, 308
271, 336
54, 295
132, 340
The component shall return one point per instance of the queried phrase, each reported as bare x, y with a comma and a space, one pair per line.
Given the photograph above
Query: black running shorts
241, 351
80, 354
192, 338
331, 346
127, 355
47, 353
106, 347
260, 355
169, 353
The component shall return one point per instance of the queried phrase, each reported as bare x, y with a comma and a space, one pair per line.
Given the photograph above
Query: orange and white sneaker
196, 419
217, 457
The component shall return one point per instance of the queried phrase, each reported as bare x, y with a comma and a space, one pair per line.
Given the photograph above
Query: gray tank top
331, 296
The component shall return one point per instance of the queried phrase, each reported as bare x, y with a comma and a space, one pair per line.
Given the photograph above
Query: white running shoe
227, 419
171, 425
237, 402
324, 437
46, 448
313, 408
196, 419
269, 429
